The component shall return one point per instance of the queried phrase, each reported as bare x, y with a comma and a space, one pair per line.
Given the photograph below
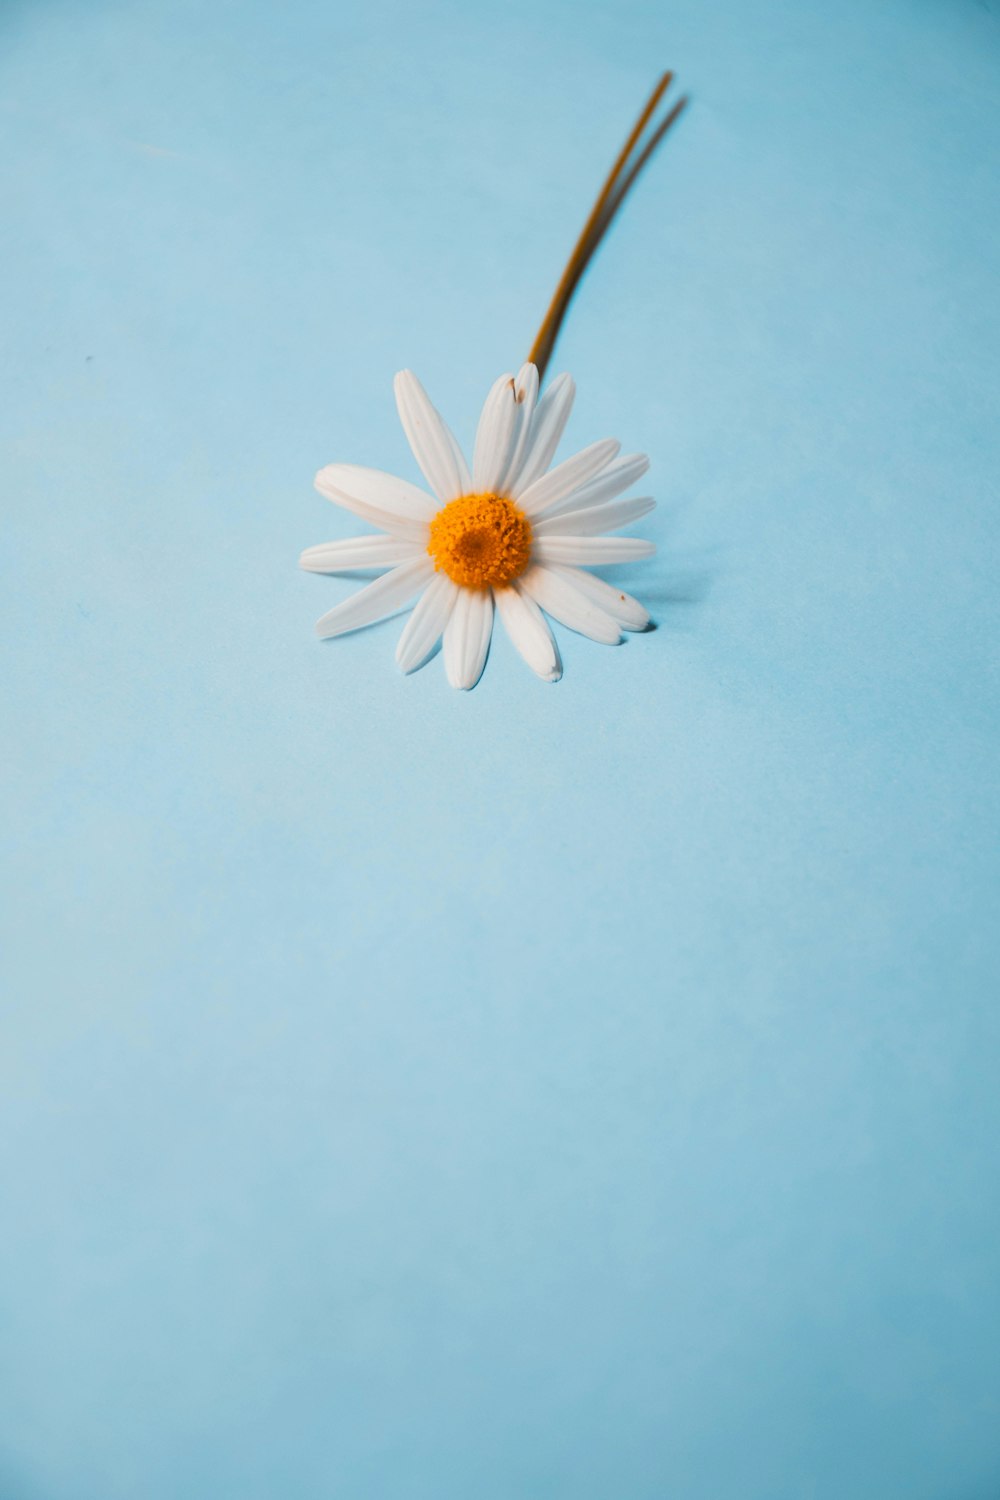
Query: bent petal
526, 397
495, 436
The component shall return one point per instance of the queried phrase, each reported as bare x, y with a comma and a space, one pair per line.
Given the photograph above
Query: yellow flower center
480, 540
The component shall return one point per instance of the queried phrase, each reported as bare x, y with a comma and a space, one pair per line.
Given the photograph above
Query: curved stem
609, 200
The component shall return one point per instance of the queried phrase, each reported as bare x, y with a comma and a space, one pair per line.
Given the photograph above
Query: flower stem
619, 180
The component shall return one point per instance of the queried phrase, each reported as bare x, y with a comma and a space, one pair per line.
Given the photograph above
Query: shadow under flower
674, 590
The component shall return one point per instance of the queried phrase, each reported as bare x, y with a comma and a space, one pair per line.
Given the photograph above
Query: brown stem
609, 201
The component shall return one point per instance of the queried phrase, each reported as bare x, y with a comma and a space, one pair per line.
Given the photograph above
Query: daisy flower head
508, 536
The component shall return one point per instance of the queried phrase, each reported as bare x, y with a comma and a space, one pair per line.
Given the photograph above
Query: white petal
628, 612
611, 481
567, 476
461, 467
494, 437
591, 551
426, 624
467, 637
548, 422
529, 631
597, 518
376, 599
385, 501
526, 395
434, 447
372, 487
557, 596
358, 552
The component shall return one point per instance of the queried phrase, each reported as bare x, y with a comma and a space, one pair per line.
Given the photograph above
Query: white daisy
511, 535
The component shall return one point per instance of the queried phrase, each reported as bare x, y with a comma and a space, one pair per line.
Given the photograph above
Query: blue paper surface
562, 1092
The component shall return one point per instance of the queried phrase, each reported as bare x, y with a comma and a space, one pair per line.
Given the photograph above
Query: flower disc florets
480, 541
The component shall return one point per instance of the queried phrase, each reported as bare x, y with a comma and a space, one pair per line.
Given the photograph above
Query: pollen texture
480, 541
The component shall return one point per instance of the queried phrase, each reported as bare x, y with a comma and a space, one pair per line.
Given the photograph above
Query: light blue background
572, 1092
